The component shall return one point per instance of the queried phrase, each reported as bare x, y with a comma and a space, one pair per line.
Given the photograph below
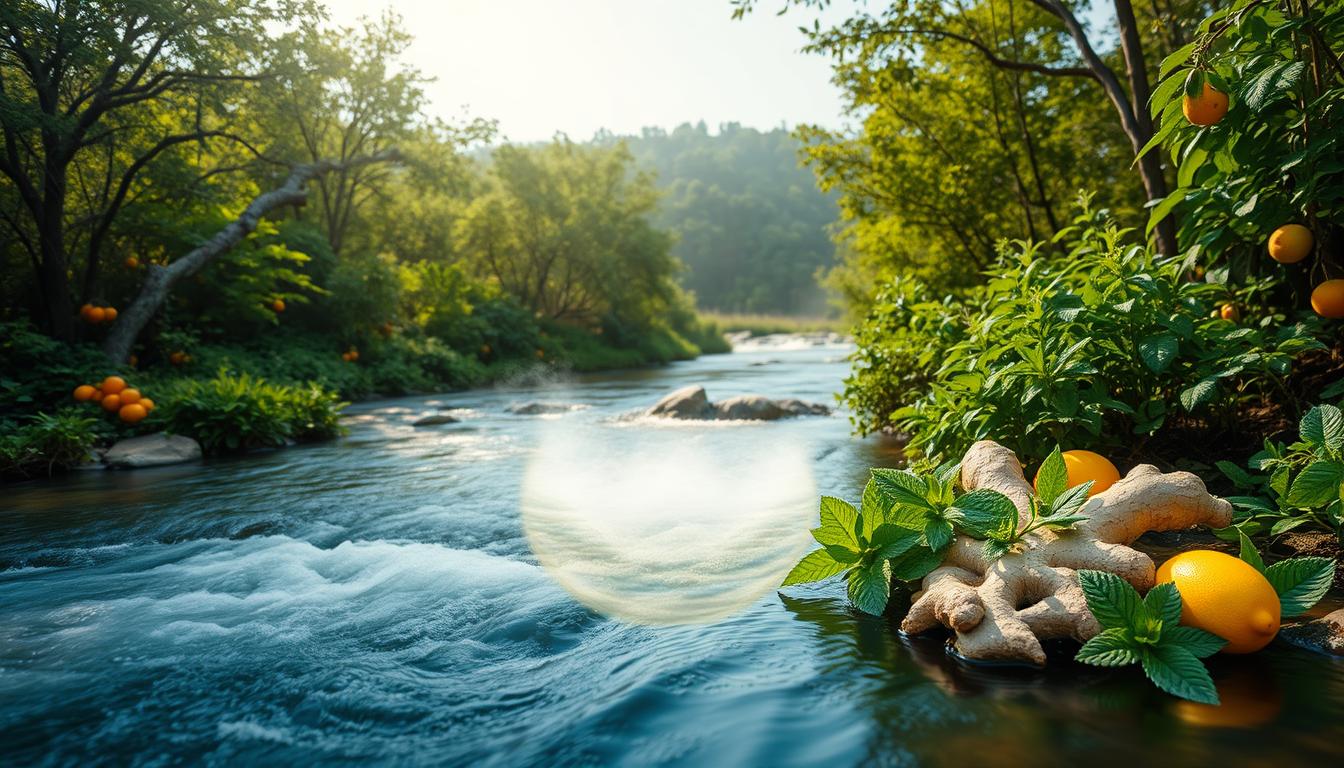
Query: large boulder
152, 451
693, 403
686, 403
750, 408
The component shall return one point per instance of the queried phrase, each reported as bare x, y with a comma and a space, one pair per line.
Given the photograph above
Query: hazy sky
541, 66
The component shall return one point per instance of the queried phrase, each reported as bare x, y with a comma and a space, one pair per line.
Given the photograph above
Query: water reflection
662, 526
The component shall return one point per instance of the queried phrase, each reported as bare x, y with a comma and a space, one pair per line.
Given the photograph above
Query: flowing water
572, 588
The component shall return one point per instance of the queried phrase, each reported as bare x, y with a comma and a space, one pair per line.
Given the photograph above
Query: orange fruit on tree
85, 312
96, 315
132, 262
1290, 243
1087, 465
1224, 595
84, 392
111, 402
1328, 299
1230, 312
132, 413
113, 385
146, 403
177, 358
129, 396
278, 305
1207, 108
109, 314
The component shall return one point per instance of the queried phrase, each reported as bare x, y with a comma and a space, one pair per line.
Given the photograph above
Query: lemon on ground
1328, 299
1087, 465
1290, 243
1226, 596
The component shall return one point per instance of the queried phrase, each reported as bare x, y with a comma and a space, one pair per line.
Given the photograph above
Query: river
575, 588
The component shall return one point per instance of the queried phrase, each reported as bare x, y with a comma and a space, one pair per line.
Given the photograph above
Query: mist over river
575, 588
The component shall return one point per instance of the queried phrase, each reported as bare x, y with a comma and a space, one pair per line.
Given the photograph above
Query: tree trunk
1131, 46
161, 280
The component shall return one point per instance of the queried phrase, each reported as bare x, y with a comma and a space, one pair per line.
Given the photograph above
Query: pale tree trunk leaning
160, 279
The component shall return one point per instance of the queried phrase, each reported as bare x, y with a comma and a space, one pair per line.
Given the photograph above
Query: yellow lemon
1226, 596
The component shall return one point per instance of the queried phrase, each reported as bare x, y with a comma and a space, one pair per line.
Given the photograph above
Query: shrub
236, 412
1097, 346
39, 373
46, 443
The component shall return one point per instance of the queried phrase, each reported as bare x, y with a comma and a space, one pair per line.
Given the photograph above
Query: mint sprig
1146, 631
1300, 582
992, 516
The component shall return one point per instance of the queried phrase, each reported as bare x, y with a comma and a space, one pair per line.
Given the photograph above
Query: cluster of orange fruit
351, 355
1289, 243
96, 315
115, 397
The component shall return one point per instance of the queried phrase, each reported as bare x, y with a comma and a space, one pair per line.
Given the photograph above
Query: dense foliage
1105, 346
231, 413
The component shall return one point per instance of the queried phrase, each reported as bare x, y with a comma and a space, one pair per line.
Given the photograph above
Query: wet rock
433, 420
539, 409
693, 403
152, 451
686, 403
1325, 635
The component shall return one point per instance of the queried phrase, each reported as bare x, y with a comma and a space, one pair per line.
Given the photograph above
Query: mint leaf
1301, 582
948, 472
915, 564
1323, 427
874, 508
839, 520
938, 534
1196, 641
893, 540
986, 514
842, 554
1317, 484
1112, 600
1249, 553
815, 566
1052, 478
870, 586
898, 487
1164, 602
1178, 672
1069, 502
1111, 648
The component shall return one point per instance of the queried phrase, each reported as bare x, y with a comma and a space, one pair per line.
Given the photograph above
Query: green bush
1100, 345
236, 412
39, 373
46, 443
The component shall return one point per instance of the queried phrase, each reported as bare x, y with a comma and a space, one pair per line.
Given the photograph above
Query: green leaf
870, 587
1199, 643
1194, 83
1158, 351
1112, 600
1175, 59
938, 534
1071, 500
1301, 582
874, 508
842, 554
1323, 426
899, 487
1163, 602
1316, 485
1180, 673
1111, 648
893, 540
1199, 394
915, 564
1240, 477
985, 513
1249, 553
839, 515
1052, 478
993, 549
814, 566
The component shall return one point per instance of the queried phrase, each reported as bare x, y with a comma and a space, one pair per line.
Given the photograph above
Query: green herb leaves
1146, 632
1300, 582
989, 515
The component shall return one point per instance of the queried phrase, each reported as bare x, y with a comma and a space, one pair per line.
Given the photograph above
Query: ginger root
1001, 610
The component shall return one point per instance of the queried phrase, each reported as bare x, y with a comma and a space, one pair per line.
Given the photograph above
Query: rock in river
693, 403
536, 408
1325, 634
434, 420
152, 451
